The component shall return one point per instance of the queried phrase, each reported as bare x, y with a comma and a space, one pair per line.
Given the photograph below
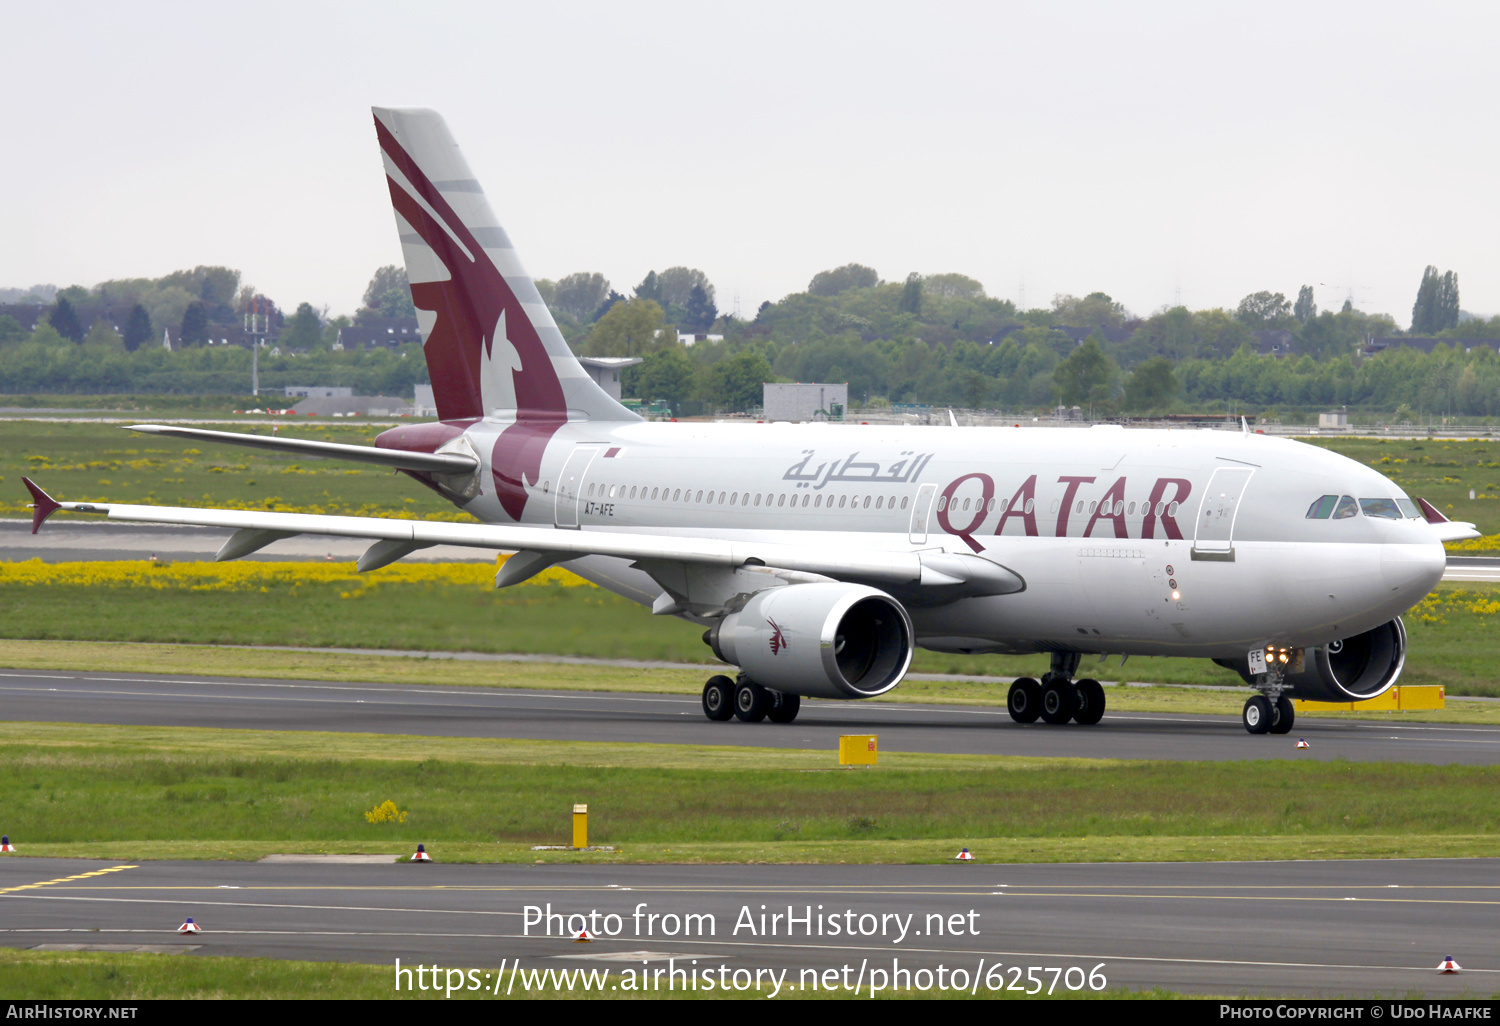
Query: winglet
43, 505
1430, 512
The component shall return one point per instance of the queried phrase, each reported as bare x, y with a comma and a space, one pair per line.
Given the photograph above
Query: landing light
1176, 595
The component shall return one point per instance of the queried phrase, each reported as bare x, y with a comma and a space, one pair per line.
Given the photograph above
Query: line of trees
936, 338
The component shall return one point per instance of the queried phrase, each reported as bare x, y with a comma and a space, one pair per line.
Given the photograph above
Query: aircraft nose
1413, 570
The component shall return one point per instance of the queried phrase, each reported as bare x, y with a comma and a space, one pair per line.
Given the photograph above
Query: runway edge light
582, 937
1449, 966
190, 927
421, 854
964, 856
1302, 743
5, 844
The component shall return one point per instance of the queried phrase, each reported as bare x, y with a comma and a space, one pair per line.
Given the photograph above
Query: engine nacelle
1364, 666
820, 640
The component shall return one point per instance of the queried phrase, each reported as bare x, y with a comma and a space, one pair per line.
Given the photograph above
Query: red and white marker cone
1302, 743
190, 927
5, 844
1449, 967
582, 937
964, 856
421, 854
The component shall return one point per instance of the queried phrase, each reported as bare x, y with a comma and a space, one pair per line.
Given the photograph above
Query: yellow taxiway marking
64, 879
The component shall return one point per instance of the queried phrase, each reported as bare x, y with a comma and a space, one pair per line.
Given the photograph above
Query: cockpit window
1322, 508
1385, 508
1411, 509
1346, 508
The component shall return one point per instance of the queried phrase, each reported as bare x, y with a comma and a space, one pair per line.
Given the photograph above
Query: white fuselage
1166, 542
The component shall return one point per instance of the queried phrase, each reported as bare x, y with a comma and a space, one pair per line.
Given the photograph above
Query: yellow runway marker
64, 879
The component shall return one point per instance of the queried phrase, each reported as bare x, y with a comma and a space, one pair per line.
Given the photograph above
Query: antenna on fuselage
1244, 427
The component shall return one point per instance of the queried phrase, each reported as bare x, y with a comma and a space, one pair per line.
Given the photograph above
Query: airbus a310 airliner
818, 557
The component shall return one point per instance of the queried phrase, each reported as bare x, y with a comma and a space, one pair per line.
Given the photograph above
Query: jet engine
1351, 670
821, 640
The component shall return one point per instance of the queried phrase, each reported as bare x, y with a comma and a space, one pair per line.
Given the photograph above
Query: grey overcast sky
1159, 152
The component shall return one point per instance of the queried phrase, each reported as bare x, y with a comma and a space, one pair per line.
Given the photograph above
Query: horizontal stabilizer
432, 463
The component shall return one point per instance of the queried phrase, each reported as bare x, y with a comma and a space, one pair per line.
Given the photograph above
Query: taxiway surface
438, 711
1373, 928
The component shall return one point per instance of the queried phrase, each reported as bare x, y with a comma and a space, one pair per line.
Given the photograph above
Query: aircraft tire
1257, 714
751, 702
784, 707
1024, 703
1286, 715
718, 698
1059, 699
1090, 709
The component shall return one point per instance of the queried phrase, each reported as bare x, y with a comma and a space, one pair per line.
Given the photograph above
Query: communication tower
256, 326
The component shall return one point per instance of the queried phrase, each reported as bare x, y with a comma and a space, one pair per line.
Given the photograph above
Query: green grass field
131, 792
105, 462
92, 975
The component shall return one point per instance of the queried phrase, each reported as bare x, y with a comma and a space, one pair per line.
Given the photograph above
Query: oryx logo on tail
480, 342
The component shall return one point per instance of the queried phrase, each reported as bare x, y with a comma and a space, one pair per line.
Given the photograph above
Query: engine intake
819, 640
1364, 666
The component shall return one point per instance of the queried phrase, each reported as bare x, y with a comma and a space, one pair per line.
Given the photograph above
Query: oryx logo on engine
778, 640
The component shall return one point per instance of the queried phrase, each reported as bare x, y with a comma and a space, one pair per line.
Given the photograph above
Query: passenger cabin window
1386, 509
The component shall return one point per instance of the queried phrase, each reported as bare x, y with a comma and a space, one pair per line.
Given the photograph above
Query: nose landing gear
1271, 711
1057, 698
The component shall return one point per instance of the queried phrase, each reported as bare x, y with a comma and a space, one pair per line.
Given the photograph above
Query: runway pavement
1376, 928
435, 710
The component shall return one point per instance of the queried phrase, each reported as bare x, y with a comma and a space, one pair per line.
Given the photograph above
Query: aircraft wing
434, 463
542, 547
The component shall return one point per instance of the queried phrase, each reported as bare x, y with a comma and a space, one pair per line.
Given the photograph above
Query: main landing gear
1057, 698
747, 701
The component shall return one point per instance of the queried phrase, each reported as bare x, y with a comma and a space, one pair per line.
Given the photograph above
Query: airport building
804, 402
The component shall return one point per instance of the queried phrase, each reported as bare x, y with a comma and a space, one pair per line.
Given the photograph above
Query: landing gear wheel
1090, 702
784, 707
1024, 700
1059, 700
1286, 715
751, 702
718, 698
1257, 714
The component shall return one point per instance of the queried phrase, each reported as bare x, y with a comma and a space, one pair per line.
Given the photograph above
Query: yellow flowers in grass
1436, 608
386, 812
255, 576
1489, 543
